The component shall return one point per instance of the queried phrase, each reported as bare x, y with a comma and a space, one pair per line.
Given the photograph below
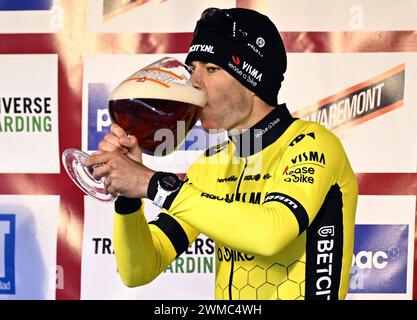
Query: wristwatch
168, 183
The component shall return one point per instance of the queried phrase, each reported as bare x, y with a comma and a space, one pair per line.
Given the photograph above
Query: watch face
169, 182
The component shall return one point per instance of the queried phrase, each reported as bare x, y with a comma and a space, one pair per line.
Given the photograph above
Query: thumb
134, 151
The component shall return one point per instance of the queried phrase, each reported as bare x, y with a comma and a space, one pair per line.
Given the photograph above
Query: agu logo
7, 253
380, 259
260, 42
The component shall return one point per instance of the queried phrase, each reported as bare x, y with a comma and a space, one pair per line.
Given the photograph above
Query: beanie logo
245, 71
260, 42
252, 71
202, 48
256, 50
236, 60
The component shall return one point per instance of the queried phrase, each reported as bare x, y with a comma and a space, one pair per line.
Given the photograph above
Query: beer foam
132, 89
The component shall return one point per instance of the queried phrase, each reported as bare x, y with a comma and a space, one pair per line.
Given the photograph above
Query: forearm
139, 253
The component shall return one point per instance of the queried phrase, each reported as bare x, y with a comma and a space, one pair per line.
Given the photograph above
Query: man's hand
124, 176
118, 140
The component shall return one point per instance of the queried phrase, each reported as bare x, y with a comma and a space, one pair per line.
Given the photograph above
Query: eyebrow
202, 62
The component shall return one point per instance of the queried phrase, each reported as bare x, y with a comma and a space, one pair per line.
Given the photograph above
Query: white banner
28, 242
29, 113
191, 276
42, 16
342, 15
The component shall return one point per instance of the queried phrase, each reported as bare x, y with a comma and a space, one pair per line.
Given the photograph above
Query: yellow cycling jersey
279, 201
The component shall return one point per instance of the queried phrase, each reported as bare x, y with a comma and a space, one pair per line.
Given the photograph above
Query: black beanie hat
246, 44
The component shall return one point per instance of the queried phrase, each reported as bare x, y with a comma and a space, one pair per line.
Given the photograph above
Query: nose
195, 79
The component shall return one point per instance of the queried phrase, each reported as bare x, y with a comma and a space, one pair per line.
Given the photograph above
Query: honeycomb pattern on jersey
278, 282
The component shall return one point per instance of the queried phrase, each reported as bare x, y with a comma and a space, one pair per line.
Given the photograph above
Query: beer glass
157, 104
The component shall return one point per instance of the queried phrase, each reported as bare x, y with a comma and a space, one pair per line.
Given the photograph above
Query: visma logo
380, 259
7, 250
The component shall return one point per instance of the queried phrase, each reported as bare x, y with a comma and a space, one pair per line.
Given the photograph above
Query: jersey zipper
233, 251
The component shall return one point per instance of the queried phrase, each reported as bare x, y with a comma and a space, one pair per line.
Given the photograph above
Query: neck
258, 111
263, 133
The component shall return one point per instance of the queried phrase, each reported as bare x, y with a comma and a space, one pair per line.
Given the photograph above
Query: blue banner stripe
18, 5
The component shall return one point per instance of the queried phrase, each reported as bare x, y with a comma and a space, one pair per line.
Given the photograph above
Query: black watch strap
153, 189
153, 185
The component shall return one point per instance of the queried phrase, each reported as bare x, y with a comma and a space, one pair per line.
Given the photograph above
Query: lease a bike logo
226, 254
7, 253
304, 174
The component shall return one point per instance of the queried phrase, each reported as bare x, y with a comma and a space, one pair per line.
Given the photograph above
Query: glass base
73, 161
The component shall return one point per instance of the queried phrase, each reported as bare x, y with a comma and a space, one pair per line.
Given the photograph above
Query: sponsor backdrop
352, 66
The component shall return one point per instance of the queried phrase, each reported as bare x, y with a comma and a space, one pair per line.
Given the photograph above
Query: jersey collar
263, 133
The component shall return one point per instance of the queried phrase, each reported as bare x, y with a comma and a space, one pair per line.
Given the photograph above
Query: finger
117, 130
101, 171
95, 159
112, 139
114, 191
131, 143
109, 189
111, 144
128, 142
